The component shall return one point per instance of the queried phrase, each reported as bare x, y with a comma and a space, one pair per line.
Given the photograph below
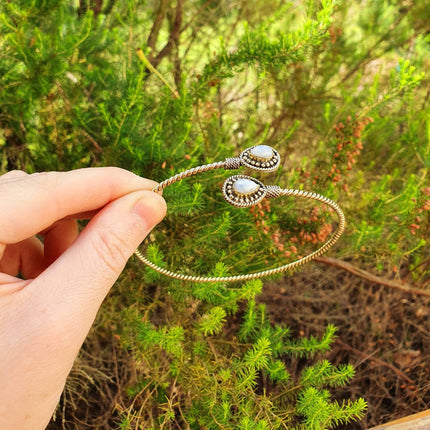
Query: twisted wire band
270, 191
187, 173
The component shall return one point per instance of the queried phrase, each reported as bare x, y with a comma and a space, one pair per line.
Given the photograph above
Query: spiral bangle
245, 191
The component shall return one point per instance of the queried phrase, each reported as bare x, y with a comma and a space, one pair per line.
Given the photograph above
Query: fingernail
151, 208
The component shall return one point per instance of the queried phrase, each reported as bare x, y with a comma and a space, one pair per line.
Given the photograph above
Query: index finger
31, 203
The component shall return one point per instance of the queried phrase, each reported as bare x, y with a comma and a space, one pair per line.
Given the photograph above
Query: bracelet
245, 191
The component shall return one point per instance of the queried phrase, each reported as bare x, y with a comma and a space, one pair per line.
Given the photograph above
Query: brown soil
384, 333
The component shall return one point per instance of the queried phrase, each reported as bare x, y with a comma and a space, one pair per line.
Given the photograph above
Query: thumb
81, 277
55, 311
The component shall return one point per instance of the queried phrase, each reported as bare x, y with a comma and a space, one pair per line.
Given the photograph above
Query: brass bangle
245, 191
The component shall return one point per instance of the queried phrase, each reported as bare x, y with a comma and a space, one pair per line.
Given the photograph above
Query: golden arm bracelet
245, 191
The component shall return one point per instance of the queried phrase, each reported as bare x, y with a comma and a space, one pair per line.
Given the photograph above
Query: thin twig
377, 361
196, 15
339, 264
148, 64
368, 57
97, 147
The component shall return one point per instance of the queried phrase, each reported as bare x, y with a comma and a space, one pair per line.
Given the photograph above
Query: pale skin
45, 317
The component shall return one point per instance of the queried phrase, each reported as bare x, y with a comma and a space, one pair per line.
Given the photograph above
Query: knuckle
13, 174
111, 249
44, 182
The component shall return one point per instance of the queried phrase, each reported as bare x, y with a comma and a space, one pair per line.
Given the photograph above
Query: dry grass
384, 333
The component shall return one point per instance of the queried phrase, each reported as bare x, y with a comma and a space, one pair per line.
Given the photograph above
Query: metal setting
243, 199
267, 163
245, 195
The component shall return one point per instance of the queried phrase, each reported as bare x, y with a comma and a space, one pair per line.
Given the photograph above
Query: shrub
161, 87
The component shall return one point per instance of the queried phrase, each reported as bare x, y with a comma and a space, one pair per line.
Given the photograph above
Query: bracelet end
232, 163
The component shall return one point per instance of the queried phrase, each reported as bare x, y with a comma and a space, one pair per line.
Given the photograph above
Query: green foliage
213, 321
311, 345
323, 373
219, 378
256, 47
257, 358
319, 413
338, 89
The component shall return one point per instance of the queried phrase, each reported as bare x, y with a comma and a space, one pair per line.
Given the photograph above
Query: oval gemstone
264, 152
245, 186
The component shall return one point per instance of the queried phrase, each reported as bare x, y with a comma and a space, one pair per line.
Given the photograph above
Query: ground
384, 333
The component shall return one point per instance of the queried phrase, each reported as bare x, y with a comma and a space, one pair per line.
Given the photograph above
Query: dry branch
175, 33
339, 264
156, 26
376, 361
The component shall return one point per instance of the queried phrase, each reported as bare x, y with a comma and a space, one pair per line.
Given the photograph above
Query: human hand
45, 317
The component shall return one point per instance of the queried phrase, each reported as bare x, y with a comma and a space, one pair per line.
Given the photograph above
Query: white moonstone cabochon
262, 152
245, 186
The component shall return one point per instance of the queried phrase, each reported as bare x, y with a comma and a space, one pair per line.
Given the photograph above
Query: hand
45, 317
